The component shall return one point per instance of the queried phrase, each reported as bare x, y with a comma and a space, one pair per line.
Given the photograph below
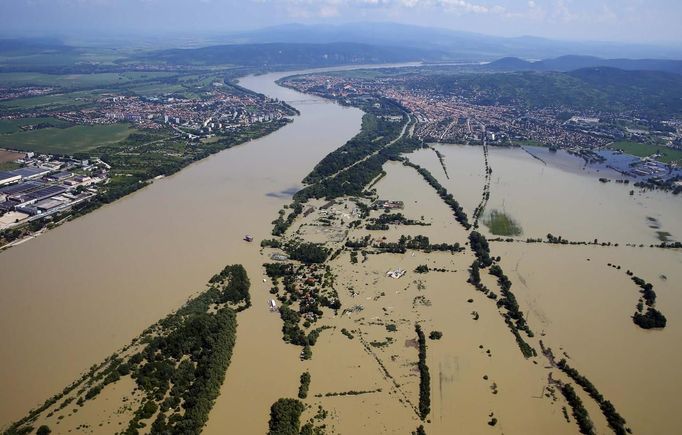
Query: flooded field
73, 296
585, 307
578, 300
559, 197
580, 296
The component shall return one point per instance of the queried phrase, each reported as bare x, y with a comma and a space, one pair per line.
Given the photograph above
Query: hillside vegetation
599, 88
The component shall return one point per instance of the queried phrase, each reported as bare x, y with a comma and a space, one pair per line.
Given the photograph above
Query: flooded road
71, 297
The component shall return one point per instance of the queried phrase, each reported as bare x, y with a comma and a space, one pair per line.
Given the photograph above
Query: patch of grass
668, 155
157, 88
501, 224
52, 101
77, 81
9, 166
80, 138
530, 143
14, 125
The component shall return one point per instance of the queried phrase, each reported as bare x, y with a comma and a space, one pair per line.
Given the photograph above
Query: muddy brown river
72, 296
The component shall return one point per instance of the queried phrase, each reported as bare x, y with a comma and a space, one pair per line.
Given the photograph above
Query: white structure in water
396, 273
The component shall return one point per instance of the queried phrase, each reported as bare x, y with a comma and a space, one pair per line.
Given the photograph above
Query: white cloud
327, 11
562, 12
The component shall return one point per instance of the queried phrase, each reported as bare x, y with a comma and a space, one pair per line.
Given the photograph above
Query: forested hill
652, 92
609, 89
570, 63
293, 54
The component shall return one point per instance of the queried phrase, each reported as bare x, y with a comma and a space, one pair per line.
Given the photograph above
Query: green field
530, 143
14, 125
190, 86
501, 224
70, 140
77, 81
643, 150
53, 101
157, 88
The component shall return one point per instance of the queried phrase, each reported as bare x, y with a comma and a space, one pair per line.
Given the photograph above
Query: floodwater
559, 197
462, 374
573, 300
584, 307
71, 297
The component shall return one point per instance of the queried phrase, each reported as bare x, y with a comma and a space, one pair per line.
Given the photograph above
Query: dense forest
306, 252
574, 62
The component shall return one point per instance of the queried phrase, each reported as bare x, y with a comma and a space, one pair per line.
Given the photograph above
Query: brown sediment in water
562, 200
585, 308
72, 296
369, 383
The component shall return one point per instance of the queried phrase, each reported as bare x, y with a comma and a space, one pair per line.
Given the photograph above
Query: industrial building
8, 178
31, 172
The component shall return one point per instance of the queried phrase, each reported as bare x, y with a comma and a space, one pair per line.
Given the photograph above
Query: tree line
424, 376
615, 420
460, 214
513, 316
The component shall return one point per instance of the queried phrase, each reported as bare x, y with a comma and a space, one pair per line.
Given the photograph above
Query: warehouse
30, 173
8, 177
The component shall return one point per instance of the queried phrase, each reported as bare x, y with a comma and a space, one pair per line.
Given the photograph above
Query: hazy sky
617, 20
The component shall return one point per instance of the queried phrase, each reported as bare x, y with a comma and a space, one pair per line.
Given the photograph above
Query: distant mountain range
294, 54
458, 45
571, 63
297, 45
